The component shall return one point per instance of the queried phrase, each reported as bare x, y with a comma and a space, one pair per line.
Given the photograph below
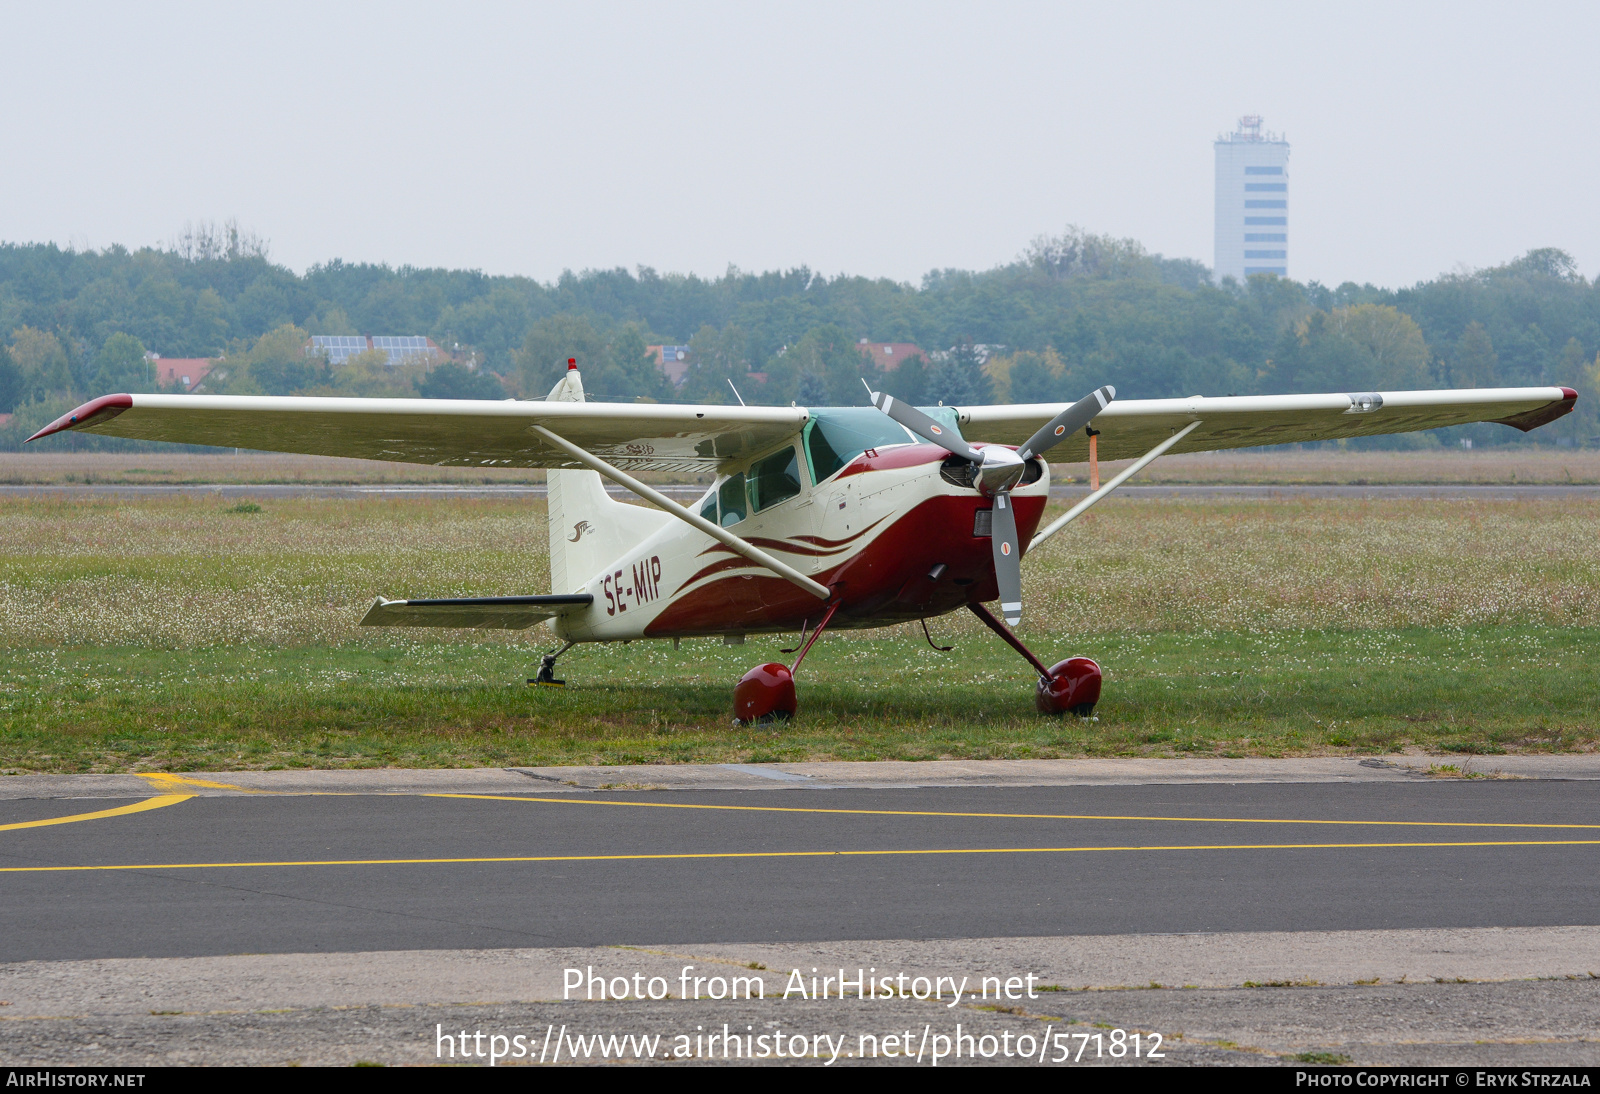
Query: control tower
1252, 202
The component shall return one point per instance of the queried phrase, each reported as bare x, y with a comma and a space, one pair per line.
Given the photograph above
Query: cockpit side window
708, 506
773, 479
837, 435
731, 496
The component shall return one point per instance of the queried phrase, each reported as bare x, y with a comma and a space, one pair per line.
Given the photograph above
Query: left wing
1131, 427
633, 436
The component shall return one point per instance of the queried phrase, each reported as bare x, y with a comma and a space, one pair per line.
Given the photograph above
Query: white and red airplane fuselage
893, 534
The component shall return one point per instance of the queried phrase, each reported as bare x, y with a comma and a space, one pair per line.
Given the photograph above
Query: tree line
1071, 312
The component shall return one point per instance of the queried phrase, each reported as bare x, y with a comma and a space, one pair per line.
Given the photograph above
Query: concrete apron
140, 986
812, 776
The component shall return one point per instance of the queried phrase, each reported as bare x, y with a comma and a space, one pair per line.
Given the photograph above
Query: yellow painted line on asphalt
160, 802
788, 854
167, 780
1003, 816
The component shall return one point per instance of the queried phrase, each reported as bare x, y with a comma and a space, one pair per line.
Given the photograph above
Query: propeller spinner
995, 470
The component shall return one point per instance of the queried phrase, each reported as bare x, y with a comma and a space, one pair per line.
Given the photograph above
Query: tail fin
588, 529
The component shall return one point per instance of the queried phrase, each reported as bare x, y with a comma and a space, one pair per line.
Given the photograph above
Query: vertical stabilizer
588, 528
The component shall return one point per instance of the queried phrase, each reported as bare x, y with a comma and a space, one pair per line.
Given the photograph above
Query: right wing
444, 432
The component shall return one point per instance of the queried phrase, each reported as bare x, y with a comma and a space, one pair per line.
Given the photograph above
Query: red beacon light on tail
572, 364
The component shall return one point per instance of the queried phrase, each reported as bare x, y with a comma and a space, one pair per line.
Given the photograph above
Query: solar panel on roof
339, 347
397, 347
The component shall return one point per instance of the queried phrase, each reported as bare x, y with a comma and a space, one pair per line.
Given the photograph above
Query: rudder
588, 528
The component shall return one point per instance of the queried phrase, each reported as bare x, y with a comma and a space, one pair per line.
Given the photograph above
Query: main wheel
1074, 684
764, 694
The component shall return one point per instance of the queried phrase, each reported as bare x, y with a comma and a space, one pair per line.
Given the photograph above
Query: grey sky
872, 138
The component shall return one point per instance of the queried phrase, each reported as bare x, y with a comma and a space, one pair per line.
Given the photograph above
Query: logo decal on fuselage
578, 529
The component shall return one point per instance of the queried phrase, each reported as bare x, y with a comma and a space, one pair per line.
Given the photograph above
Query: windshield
837, 435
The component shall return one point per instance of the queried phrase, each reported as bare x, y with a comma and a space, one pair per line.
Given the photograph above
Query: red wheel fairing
765, 693
1074, 685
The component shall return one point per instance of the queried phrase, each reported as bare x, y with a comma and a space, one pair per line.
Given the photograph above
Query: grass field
181, 633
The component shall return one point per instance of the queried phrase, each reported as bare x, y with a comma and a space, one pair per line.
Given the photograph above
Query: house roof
888, 355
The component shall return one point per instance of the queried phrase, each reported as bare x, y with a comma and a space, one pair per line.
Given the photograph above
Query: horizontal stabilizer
480, 612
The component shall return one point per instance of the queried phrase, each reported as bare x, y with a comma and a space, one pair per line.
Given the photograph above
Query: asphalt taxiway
180, 873
1365, 910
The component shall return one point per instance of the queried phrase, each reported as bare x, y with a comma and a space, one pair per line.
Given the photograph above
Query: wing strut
666, 504
1123, 476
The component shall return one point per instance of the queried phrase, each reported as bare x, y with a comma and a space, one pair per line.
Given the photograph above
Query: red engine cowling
1074, 685
764, 694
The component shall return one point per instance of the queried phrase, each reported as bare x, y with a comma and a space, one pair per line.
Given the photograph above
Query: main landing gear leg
766, 692
547, 669
1073, 684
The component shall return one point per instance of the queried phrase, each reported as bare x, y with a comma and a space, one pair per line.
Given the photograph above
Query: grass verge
1212, 693
190, 632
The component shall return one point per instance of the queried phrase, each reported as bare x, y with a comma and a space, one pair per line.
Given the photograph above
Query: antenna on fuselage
736, 394
868, 387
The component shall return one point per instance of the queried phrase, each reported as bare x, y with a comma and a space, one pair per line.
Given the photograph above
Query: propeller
1070, 420
947, 437
995, 470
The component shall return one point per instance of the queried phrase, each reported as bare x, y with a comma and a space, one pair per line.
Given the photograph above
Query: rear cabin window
838, 435
774, 479
731, 496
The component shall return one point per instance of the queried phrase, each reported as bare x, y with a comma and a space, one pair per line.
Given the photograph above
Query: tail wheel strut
547, 669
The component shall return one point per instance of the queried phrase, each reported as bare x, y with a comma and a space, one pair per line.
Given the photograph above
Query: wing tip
1530, 420
104, 408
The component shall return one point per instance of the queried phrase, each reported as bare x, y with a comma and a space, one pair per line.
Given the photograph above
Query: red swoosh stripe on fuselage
735, 563
821, 542
739, 561
882, 584
775, 545
787, 544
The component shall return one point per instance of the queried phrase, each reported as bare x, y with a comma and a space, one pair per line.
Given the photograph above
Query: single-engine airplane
852, 517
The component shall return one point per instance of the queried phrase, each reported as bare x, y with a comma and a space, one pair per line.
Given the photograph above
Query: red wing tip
107, 406
1568, 393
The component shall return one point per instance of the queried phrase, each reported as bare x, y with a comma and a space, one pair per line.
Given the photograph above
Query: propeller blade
1007, 558
1070, 420
946, 437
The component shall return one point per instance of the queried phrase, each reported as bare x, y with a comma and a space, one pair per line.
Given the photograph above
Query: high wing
633, 436
1130, 427
700, 439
